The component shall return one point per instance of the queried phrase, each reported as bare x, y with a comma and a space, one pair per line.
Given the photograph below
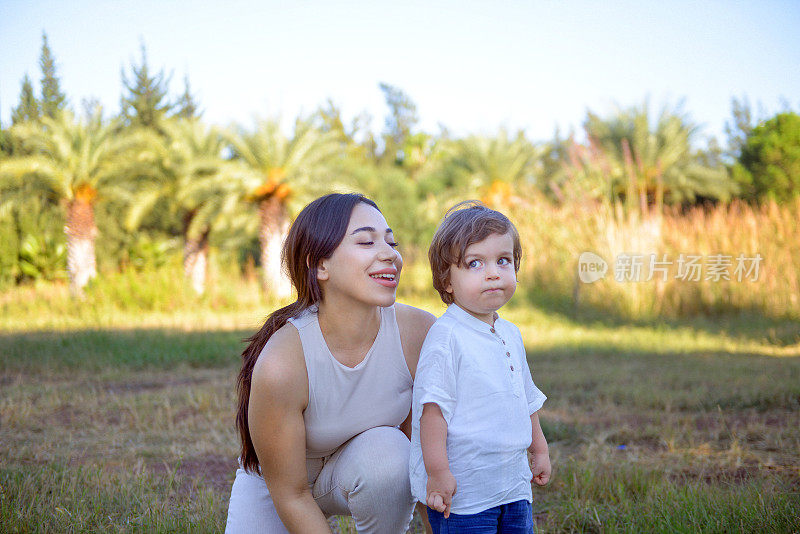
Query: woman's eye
367, 243
392, 244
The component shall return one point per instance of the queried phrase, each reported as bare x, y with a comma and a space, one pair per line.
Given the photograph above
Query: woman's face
366, 265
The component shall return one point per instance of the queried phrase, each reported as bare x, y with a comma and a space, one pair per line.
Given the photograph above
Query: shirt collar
470, 320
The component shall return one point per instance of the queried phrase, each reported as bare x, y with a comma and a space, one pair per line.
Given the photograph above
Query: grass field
126, 424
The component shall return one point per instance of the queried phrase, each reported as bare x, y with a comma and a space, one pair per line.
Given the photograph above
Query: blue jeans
512, 518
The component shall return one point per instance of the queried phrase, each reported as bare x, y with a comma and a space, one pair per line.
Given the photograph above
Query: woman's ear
322, 270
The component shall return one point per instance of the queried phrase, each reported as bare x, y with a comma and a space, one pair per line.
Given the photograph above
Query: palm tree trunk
81, 233
195, 262
272, 232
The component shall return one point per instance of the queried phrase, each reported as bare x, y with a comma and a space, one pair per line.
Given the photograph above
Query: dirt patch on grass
742, 420
214, 471
150, 385
738, 475
66, 415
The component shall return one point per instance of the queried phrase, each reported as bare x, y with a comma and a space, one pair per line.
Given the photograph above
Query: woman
325, 385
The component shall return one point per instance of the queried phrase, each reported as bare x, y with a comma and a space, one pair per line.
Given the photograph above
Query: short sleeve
435, 379
534, 395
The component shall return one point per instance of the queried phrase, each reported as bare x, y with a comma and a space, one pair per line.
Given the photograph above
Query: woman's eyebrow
369, 229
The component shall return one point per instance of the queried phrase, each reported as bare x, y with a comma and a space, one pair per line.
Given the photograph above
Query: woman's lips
385, 281
386, 277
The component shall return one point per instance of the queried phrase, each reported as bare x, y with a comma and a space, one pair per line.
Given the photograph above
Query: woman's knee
250, 508
379, 458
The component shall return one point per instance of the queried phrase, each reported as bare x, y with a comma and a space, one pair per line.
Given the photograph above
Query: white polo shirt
478, 375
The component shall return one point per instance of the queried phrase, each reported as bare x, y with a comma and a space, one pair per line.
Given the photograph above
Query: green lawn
669, 427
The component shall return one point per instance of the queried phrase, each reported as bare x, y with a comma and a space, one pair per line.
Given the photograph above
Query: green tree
650, 164
53, 100
28, 107
769, 164
286, 174
739, 127
329, 119
187, 106
194, 179
144, 102
489, 167
400, 122
73, 163
5, 143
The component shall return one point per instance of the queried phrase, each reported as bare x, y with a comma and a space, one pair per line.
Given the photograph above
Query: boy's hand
440, 490
540, 468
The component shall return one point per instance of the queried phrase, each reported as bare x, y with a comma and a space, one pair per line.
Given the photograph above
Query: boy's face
488, 279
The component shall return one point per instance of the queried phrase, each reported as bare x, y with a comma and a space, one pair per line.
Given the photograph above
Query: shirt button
512, 367
492, 330
504, 341
508, 354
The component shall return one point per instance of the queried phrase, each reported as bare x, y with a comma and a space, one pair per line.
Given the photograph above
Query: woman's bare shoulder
413, 324
411, 318
281, 368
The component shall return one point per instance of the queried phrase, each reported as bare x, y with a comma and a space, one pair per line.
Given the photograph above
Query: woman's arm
278, 396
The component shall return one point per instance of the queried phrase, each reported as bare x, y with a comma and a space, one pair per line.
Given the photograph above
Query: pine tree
188, 107
28, 107
53, 101
145, 102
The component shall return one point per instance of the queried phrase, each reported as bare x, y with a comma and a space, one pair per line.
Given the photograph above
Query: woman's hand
440, 490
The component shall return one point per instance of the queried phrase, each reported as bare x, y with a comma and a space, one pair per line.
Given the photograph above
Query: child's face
488, 279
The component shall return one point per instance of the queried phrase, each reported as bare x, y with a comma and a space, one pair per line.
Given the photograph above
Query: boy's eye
504, 261
473, 264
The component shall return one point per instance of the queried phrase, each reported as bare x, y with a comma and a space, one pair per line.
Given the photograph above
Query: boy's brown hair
465, 223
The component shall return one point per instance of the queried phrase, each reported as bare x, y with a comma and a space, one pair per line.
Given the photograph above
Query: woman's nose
387, 252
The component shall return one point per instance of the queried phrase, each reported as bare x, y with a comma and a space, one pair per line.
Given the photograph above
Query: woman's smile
385, 277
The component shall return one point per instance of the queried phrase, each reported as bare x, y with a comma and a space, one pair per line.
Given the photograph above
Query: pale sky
470, 66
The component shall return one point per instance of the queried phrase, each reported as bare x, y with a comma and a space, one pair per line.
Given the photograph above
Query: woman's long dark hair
314, 235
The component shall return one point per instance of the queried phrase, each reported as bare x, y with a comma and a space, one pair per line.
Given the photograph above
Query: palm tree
492, 165
74, 162
195, 180
286, 175
653, 163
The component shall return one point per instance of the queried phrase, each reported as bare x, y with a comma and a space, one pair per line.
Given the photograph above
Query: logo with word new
591, 267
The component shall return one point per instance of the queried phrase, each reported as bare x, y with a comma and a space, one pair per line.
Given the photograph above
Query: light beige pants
366, 478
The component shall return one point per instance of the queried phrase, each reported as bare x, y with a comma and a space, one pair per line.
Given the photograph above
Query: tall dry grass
554, 236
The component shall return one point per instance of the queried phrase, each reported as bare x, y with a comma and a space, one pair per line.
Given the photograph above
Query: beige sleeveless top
345, 401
